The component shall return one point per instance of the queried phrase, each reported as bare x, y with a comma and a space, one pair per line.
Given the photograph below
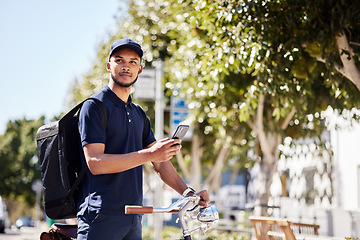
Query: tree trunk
349, 69
214, 178
195, 171
268, 167
269, 143
193, 176
182, 165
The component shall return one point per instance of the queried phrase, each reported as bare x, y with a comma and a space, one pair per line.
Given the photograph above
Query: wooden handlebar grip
138, 209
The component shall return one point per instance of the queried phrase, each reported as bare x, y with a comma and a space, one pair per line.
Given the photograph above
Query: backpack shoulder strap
85, 168
74, 110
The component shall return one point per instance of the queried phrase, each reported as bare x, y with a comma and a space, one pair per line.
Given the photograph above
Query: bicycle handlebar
173, 208
134, 209
183, 206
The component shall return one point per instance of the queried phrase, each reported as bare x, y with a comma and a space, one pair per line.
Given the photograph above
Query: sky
44, 46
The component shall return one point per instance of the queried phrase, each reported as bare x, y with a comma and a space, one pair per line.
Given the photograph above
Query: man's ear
140, 69
108, 66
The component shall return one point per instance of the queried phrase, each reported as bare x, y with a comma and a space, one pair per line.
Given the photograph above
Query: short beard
125, 85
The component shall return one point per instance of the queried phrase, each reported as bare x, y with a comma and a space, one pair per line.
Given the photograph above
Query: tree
269, 52
253, 72
155, 26
18, 154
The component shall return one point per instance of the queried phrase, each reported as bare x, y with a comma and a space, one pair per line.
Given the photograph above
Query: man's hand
204, 198
164, 150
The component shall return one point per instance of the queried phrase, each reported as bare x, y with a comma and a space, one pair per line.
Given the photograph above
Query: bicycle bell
208, 214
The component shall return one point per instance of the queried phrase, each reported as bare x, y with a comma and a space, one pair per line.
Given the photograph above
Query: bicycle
187, 209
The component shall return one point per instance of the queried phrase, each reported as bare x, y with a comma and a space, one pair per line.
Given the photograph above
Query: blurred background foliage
225, 58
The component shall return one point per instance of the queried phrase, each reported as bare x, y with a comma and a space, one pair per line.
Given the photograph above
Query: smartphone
180, 132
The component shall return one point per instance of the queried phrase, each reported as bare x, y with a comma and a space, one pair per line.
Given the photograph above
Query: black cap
126, 43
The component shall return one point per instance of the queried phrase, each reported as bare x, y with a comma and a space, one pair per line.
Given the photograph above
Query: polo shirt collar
115, 99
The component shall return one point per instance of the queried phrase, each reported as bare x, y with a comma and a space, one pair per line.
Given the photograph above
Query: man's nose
125, 66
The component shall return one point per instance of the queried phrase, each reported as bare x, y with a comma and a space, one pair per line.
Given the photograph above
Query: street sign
178, 102
178, 116
179, 112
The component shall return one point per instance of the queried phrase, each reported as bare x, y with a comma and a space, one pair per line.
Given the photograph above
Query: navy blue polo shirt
127, 130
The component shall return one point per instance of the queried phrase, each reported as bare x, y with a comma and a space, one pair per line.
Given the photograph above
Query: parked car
3, 216
24, 221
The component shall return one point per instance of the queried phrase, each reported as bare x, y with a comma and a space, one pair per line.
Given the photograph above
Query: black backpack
60, 154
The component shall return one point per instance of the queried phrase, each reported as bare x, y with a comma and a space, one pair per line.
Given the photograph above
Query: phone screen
180, 132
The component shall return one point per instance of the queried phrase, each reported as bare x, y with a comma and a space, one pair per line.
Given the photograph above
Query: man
115, 153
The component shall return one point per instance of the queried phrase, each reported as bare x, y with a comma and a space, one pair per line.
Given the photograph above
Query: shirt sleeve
91, 127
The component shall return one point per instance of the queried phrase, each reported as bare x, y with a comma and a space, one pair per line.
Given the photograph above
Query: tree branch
181, 162
251, 125
196, 152
288, 118
259, 113
223, 153
354, 43
337, 66
350, 69
263, 140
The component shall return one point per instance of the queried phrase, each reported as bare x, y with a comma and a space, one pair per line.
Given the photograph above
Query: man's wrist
188, 192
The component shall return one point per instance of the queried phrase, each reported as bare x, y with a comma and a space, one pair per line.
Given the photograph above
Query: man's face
124, 67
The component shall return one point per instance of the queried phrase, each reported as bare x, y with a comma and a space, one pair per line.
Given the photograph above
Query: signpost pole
159, 134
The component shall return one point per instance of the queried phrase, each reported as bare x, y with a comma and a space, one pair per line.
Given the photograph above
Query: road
25, 233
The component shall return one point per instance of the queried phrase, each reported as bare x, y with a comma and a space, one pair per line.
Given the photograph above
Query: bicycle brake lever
194, 208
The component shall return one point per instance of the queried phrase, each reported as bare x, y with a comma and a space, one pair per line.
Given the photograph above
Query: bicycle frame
183, 207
